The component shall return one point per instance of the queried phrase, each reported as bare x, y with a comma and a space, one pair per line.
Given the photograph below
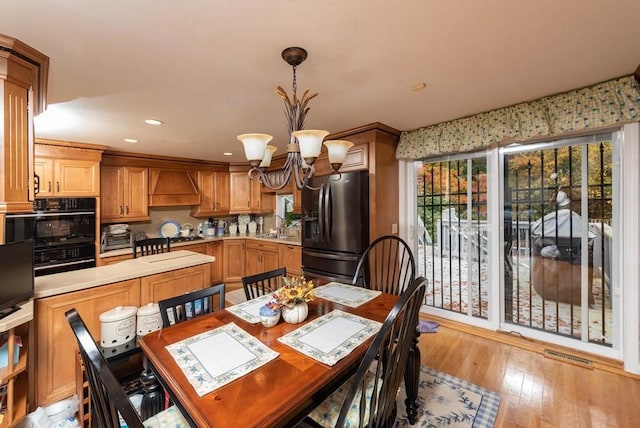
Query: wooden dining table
277, 394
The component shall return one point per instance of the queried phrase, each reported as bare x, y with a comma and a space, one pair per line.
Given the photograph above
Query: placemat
332, 336
250, 310
217, 357
344, 294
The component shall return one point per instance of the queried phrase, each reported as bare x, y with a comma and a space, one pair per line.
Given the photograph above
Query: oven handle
51, 214
49, 266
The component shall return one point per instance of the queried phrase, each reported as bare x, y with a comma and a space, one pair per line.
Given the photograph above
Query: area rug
446, 401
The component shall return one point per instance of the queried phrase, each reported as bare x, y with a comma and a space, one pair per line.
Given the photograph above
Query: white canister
233, 229
242, 229
118, 326
253, 227
148, 319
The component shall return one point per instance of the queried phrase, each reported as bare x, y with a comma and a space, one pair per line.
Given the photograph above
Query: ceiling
208, 68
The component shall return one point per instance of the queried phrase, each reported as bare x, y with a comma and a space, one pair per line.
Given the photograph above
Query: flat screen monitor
16, 275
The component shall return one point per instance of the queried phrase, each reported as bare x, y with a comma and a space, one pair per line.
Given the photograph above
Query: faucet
282, 229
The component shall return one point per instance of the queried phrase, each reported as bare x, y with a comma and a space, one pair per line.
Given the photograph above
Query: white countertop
65, 282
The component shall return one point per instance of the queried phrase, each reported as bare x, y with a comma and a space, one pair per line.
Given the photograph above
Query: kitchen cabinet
247, 196
261, 256
240, 189
158, 287
124, 194
213, 187
216, 249
15, 376
23, 94
290, 256
56, 344
234, 262
64, 171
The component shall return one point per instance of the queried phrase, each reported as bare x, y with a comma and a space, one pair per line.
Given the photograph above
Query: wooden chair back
383, 367
149, 246
387, 265
107, 396
263, 283
191, 305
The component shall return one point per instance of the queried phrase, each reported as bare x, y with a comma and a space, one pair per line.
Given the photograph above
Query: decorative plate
169, 229
244, 219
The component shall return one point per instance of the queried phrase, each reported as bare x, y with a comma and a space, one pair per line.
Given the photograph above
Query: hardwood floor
535, 391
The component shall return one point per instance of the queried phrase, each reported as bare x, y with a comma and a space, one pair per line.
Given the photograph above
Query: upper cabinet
172, 187
124, 195
213, 187
247, 196
64, 170
23, 89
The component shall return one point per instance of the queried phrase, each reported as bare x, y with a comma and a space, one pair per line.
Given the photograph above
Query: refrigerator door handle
321, 213
328, 207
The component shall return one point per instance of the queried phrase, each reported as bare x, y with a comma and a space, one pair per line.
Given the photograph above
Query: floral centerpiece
292, 298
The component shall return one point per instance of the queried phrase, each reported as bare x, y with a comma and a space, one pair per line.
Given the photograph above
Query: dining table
278, 393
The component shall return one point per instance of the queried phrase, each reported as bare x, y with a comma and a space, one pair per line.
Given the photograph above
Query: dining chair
263, 283
186, 306
108, 399
386, 265
151, 246
379, 374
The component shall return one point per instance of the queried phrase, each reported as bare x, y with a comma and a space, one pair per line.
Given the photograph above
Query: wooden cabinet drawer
262, 246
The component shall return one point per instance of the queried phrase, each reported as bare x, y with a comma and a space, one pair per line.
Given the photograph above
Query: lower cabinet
56, 344
233, 264
158, 287
261, 257
216, 249
290, 256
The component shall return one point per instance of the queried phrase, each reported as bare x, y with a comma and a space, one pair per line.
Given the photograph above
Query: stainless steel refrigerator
335, 225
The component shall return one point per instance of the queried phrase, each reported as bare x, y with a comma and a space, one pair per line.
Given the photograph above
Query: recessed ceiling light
130, 140
228, 154
153, 121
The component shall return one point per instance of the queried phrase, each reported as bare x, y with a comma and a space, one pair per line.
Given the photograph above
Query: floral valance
608, 103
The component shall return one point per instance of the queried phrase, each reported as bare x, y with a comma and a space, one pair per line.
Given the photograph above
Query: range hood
172, 187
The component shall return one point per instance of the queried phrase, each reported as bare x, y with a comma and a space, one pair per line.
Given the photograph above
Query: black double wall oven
63, 231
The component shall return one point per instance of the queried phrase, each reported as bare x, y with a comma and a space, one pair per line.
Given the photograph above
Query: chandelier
304, 145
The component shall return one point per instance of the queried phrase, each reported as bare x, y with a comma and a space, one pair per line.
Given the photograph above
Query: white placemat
348, 295
332, 336
250, 310
219, 356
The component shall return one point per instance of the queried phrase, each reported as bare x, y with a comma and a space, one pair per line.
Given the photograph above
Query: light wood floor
535, 391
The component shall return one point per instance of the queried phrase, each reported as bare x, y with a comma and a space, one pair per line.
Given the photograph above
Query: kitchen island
133, 282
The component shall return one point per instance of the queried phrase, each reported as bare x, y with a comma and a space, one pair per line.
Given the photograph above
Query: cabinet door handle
36, 184
126, 209
57, 186
49, 186
121, 210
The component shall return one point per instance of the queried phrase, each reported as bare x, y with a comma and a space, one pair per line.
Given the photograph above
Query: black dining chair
191, 305
150, 246
108, 399
263, 283
368, 399
386, 265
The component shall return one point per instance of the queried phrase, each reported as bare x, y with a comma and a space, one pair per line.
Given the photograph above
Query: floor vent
568, 358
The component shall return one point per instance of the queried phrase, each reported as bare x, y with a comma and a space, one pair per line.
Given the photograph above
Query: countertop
289, 241
65, 282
